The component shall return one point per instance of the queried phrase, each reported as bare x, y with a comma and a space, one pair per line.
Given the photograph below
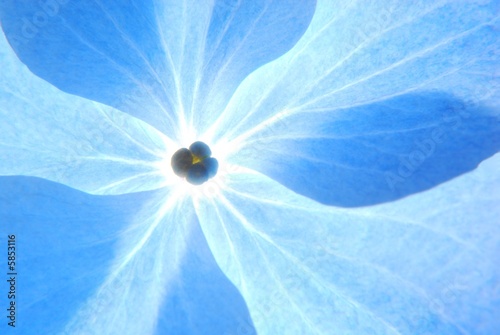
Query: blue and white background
358, 188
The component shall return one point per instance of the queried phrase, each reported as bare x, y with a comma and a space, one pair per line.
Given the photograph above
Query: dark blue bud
181, 161
197, 174
212, 165
195, 163
200, 150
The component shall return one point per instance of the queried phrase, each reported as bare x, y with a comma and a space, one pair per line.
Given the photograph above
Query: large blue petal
377, 152
68, 244
157, 60
110, 265
338, 113
203, 301
67, 139
242, 36
426, 264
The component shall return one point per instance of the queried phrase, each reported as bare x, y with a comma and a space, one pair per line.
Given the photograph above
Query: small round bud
181, 161
195, 163
197, 174
200, 150
212, 165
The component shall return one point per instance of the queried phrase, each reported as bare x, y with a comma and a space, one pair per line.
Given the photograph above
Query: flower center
195, 163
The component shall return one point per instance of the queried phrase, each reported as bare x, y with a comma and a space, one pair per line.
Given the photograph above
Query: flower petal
373, 153
242, 36
111, 265
146, 265
422, 265
104, 51
75, 249
160, 61
202, 299
67, 139
361, 71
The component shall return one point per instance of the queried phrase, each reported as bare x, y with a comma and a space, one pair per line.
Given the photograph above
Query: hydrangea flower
357, 184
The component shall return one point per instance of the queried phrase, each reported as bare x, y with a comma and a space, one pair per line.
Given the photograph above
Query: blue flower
357, 186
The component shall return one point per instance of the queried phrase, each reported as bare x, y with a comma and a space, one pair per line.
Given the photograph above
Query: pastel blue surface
376, 152
357, 186
426, 264
156, 60
67, 242
74, 141
338, 116
203, 301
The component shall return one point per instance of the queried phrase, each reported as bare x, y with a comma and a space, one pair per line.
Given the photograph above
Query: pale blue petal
242, 36
426, 264
82, 259
366, 83
106, 51
114, 265
146, 264
376, 152
164, 62
70, 140
203, 301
